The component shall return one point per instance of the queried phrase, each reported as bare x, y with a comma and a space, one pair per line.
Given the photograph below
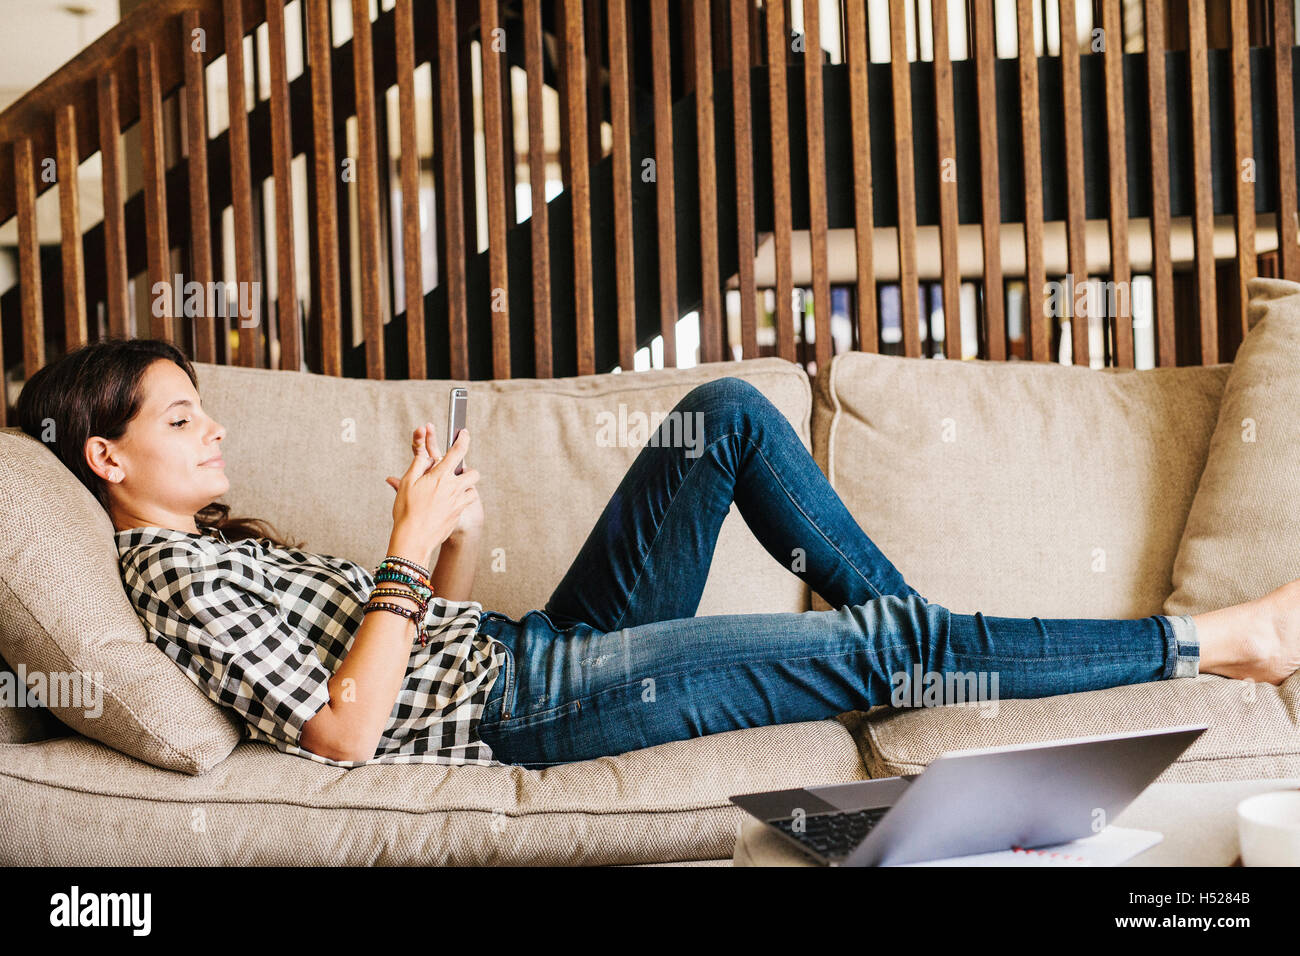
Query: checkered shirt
261, 629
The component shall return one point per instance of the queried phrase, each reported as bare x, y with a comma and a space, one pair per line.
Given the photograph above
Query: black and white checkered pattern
261, 629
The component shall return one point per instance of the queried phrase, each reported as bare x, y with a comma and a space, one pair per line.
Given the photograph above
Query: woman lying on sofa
325, 659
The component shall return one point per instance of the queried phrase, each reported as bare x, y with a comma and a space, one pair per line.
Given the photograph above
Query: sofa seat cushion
310, 453
263, 807
1019, 489
1254, 728
66, 620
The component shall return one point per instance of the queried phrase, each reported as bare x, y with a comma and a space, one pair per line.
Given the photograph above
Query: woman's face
167, 466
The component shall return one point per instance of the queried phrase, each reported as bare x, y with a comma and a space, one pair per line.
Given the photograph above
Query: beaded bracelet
400, 592
395, 559
418, 587
403, 566
403, 571
387, 568
421, 606
396, 609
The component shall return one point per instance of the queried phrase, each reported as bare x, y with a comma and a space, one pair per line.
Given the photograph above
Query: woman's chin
219, 480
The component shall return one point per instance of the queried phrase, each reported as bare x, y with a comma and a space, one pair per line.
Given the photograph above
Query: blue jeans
617, 661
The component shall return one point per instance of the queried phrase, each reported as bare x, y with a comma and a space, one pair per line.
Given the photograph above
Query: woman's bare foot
1258, 640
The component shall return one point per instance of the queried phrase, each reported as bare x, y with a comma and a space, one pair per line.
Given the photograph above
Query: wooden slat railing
1162, 264
781, 131
990, 201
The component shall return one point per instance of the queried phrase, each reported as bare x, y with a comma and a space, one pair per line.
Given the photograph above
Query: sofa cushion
1019, 488
310, 453
262, 807
1253, 728
1242, 537
65, 617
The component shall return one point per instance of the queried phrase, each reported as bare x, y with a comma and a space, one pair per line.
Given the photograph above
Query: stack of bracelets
416, 586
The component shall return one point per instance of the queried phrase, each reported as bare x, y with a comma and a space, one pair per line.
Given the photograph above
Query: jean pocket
541, 717
507, 680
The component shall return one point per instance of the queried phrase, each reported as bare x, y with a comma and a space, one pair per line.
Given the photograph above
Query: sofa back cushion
310, 452
1019, 488
66, 620
1242, 538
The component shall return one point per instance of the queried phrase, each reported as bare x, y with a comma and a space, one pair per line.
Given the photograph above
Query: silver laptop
974, 801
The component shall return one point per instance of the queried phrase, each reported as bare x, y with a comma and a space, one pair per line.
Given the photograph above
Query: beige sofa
1008, 488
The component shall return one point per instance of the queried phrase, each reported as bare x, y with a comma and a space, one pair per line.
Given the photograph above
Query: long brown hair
97, 389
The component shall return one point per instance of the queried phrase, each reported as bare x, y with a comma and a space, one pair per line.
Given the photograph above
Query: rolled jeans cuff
1186, 646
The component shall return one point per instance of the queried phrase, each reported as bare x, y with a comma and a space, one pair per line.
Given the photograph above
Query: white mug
1269, 827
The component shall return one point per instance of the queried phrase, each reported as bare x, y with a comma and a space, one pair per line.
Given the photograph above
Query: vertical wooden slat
1161, 255
1037, 332
782, 217
1284, 117
194, 104
742, 125
412, 273
509, 155
541, 228
945, 129
386, 185
1075, 209
451, 258
816, 126
286, 298
368, 233
621, 127
1244, 150
1117, 156
29, 259
110, 146
155, 189
575, 104
995, 326
469, 166
1203, 219
74, 271
325, 183
859, 57
241, 182
494, 160
906, 177
712, 327
665, 204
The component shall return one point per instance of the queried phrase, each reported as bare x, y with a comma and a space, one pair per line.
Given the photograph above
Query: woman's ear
100, 459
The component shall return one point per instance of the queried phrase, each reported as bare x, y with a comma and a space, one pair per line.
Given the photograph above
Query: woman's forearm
453, 576
364, 688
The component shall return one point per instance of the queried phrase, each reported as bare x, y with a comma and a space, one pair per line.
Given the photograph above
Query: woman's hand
431, 498
470, 524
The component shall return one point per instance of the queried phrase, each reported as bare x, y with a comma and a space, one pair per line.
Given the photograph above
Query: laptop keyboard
833, 835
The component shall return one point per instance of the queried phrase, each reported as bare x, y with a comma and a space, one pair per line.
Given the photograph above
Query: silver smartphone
456, 403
